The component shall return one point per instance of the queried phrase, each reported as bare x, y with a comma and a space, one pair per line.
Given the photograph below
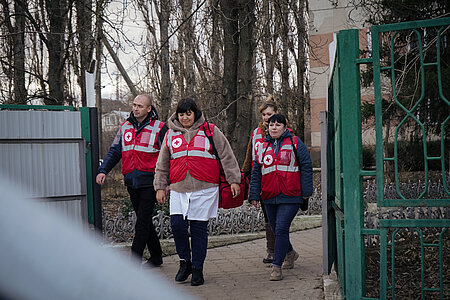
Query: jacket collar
287, 133
151, 115
175, 125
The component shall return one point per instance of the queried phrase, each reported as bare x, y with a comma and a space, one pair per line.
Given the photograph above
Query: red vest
140, 152
196, 157
257, 140
280, 173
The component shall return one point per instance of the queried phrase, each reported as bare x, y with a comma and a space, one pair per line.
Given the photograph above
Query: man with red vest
137, 143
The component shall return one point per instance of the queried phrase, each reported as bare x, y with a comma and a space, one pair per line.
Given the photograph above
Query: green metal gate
403, 116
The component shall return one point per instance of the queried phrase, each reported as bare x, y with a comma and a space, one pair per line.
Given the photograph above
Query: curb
331, 288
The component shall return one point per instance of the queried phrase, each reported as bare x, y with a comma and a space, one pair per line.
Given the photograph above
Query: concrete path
237, 272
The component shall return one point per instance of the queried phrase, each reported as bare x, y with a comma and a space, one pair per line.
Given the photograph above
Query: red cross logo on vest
268, 159
177, 143
128, 136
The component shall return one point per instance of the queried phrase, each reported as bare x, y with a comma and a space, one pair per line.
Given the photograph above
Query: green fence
408, 64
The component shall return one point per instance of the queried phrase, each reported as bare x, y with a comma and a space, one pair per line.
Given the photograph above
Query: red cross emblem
176, 142
268, 159
128, 136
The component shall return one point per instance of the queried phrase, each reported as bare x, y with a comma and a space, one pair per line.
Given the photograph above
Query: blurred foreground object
45, 257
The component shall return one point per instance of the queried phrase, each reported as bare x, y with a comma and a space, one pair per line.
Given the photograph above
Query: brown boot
291, 257
276, 274
269, 258
270, 237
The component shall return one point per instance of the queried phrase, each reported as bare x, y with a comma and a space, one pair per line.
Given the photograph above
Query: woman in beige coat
187, 163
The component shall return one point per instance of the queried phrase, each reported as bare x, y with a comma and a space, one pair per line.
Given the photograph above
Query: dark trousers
280, 218
270, 236
143, 201
199, 239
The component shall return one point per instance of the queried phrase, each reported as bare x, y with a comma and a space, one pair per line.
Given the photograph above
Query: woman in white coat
186, 162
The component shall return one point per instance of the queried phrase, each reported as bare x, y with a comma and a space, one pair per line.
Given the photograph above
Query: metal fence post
324, 185
350, 122
86, 133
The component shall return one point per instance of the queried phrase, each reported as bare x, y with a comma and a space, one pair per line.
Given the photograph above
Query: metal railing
244, 219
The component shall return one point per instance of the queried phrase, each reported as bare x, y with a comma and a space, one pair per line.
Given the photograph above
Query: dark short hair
186, 104
279, 118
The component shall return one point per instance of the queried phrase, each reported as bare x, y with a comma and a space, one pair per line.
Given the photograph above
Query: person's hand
235, 190
254, 203
100, 179
167, 190
160, 196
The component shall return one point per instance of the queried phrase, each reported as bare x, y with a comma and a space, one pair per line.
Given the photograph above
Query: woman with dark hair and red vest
281, 180
137, 143
187, 163
267, 109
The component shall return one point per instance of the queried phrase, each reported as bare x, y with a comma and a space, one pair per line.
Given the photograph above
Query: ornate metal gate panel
411, 113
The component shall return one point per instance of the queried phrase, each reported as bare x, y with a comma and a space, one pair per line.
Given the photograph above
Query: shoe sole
275, 278
197, 283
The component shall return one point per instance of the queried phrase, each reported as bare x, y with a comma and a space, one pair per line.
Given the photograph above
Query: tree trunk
57, 14
85, 42
14, 61
286, 99
230, 60
166, 93
301, 107
267, 45
179, 68
302, 42
98, 74
245, 74
215, 40
121, 68
187, 33
20, 92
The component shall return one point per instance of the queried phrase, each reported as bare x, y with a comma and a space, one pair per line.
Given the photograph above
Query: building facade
327, 18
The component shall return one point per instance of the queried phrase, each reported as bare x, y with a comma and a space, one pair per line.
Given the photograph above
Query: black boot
184, 271
197, 277
154, 262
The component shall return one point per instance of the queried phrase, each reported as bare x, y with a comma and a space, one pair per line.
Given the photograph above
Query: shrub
368, 156
411, 157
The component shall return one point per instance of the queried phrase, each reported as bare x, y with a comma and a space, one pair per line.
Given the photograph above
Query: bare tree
298, 103
230, 17
245, 75
213, 50
56, 42
15, 61
215, 40
85, 42
187, 37
166, 90
267, 45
